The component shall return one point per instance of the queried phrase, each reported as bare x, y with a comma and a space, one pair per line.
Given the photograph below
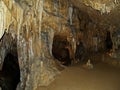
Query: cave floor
75, 77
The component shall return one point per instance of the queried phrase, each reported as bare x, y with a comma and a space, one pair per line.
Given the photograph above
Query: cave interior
59, 44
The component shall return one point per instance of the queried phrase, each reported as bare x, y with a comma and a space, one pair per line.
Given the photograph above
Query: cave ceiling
104, 12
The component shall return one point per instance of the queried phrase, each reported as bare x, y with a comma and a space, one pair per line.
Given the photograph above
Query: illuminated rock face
2, 10
104, 6
24, 25
2, 22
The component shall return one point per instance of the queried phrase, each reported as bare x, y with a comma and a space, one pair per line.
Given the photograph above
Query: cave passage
108, 42
59, 50
10, 74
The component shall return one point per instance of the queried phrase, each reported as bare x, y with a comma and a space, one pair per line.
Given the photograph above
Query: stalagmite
88, 65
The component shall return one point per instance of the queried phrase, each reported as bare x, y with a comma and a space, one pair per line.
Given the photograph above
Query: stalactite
19, 26
74, 45
51, 35
31, 47
70, 13
40, 12
95, 42
56, 5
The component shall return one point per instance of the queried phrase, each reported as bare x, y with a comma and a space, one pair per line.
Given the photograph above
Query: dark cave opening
10, 74
80, 52
108, 42
59, 50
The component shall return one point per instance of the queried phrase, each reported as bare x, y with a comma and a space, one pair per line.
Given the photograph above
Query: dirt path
102, 77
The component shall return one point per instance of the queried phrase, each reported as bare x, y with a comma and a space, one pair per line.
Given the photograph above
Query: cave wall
37, 66
92, 34
8, 29
56, 22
